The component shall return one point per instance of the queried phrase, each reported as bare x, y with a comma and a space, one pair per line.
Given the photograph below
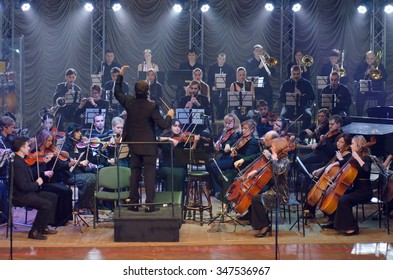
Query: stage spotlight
296, 6
115, 4
25, 5
363, 6
89, 6
389, 8
269, 6
178, 6
204, 5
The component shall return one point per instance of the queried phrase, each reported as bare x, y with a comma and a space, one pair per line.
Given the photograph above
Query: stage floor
224, 241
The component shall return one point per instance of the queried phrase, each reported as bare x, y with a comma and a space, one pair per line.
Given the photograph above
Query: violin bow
166, 105
286, 129
58, 154
88, 146
36, 153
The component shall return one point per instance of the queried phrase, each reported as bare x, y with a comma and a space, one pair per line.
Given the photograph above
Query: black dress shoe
49, 231
35, 234
263, 234
328, 225
133, 208
151, 208
350, 232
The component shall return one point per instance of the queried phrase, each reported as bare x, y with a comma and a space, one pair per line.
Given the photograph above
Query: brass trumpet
341, 71
307, 60
375, 73
60, 102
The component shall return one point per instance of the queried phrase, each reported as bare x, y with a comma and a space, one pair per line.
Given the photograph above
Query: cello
243, 189
344, 179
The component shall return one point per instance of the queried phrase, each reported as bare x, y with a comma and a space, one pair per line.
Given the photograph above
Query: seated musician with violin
222, 144
47, 121
109, 148
328, 172
315, 132
304, 94
77, 170
245, 146
49, 157
264, 119
29, 192
356, 170
94, 101
180, 140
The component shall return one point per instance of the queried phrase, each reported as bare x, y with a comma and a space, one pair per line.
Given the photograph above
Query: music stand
364, 86
240, 99
190, 116
160, 76
179, 77
322, 82
92, 112
291, 99
328, 100
220, 80
95, 80
257, 81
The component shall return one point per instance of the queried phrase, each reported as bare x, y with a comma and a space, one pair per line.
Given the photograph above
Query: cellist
277, 186
360, 192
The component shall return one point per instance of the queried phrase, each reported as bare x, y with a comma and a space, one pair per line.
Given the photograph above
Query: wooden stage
205, 242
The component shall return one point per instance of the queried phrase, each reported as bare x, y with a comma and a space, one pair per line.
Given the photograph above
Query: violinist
245, 146
264, 119
228, 138
91, 102
361, 191
304, 93
315, 132
28, 192
68, 96
7, 126
175, 135
47, 121
343, 142
48, 165
277, 188
109, 147
77, 170
281, 126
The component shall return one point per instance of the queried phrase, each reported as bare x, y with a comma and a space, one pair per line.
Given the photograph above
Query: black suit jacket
24, 182
142, 116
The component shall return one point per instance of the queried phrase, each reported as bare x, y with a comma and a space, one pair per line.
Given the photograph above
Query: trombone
60, 102
341, 71
268, 61
375, 73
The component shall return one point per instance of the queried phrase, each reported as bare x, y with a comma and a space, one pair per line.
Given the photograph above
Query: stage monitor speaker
380, 112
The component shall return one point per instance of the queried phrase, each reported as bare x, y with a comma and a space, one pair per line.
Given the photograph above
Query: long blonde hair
360, 141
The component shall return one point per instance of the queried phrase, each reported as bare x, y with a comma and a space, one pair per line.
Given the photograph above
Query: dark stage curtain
57, 36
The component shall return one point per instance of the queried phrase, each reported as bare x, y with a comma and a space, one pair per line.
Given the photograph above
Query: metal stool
197, 188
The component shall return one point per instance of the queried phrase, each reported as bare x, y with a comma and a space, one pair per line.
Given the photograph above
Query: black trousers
148, 162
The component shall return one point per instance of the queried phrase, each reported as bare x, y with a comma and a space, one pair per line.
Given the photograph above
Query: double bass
344, 179
243, 189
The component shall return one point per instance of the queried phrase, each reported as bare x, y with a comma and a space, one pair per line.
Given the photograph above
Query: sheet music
190, 116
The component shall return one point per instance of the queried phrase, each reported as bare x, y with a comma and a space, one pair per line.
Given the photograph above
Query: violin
84, 142
240, 144
269, 119
224, 137
57, 134
63, 155
328, 135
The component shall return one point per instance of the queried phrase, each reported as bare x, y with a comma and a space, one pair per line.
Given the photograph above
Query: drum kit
8, 99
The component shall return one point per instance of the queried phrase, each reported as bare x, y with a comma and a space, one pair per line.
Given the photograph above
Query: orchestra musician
93, 101
281, 126
343, 143
297, 60
110, 89
197, 75
256, 66
222, 144
155, 88
28, 192
67, 97
7, 126
304, 94
77, 170
264, 119
242, 85
315, 132
377, 87
219, 96
179, 139
104, 69
109, 148
245, 146
142, 118
147, 63
47, 158
361, 192
333, 66
277, 188
195, 101
341, 101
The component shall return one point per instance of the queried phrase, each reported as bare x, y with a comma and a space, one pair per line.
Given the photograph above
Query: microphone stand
10, 224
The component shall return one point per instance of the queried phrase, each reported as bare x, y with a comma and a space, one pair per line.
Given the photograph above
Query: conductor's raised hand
171, 113
123, 69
